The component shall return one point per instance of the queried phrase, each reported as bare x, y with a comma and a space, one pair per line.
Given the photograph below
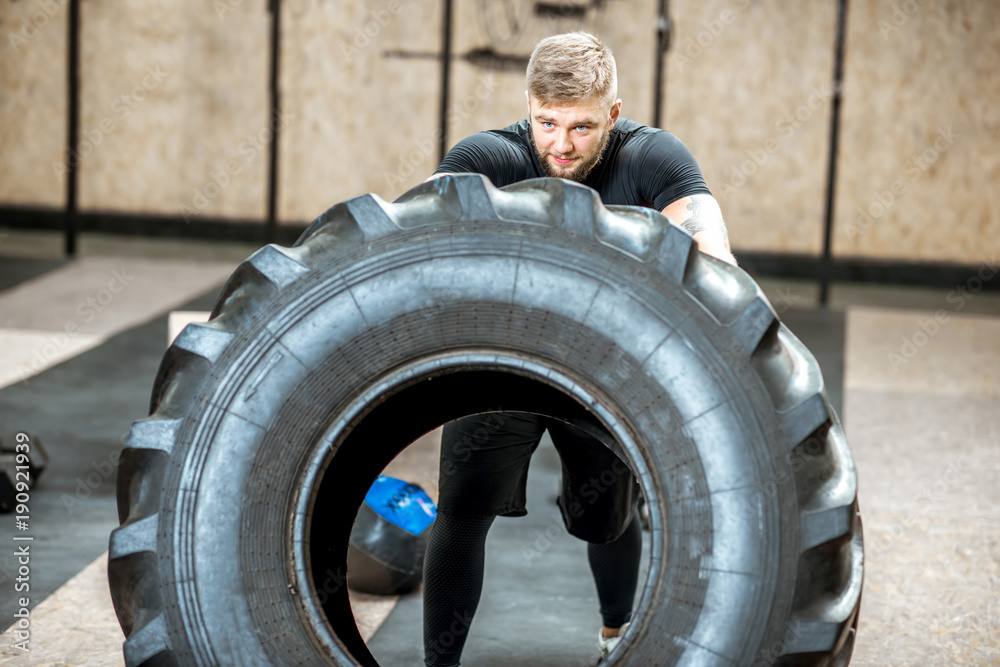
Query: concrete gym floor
920, 410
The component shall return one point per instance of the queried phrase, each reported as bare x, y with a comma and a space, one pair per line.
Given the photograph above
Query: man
574, 130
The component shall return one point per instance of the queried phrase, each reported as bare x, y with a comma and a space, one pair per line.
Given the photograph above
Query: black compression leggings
615, 567
453, 580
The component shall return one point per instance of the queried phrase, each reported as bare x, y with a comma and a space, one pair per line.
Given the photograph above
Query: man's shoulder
647, 166
503, 155
638, 141
512, 137
515, 133
631, 132
627, 126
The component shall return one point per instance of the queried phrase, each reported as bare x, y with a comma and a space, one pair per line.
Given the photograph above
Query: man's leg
484, 465
453, 583
615, 566
599, 502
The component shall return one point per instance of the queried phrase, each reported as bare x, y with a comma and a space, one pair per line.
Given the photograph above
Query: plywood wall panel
175, 108
748, 91
32, 102
174, 99
488, 93
630, 28
361, 82
920, 145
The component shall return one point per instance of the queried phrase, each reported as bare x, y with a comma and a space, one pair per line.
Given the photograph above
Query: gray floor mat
17, 270
81, 409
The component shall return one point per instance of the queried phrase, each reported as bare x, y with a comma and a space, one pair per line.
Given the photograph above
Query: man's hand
701, 216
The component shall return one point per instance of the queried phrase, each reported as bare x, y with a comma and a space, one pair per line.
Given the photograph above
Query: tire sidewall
692, 417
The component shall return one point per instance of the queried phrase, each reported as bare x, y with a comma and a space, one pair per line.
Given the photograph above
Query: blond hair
572, 67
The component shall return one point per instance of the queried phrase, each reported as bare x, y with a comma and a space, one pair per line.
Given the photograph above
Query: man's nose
563, 145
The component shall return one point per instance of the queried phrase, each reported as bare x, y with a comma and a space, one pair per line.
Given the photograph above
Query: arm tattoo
696, 223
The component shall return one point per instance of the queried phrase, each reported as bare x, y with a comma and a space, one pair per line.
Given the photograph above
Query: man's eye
547, 125
582, 128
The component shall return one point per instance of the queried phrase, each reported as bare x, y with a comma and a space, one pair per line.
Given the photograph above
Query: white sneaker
605, 645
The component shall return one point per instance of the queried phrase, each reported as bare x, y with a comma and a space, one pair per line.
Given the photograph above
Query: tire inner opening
382, 432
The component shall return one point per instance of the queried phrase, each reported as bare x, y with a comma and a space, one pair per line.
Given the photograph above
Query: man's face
569, 138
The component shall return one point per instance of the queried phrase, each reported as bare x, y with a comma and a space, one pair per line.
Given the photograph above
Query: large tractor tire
322, 361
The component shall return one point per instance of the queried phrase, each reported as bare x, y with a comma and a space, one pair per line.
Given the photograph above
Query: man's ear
527, 98
616, 111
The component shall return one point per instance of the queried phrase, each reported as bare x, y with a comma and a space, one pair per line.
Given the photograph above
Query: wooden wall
32, 103
748, 90
360, 83
747, 86
920, 147
174, 95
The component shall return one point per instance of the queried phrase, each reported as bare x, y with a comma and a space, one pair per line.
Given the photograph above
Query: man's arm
701, 216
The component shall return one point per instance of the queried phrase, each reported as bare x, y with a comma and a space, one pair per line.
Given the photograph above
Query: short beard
578, 174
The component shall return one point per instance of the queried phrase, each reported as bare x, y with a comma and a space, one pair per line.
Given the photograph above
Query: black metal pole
664, 38
72, 124
831, 180
446, 27
271, 224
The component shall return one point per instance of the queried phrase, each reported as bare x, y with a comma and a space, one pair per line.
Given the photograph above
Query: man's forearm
701, 216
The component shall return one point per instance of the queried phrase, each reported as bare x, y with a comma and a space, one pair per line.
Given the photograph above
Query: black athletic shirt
642, 166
